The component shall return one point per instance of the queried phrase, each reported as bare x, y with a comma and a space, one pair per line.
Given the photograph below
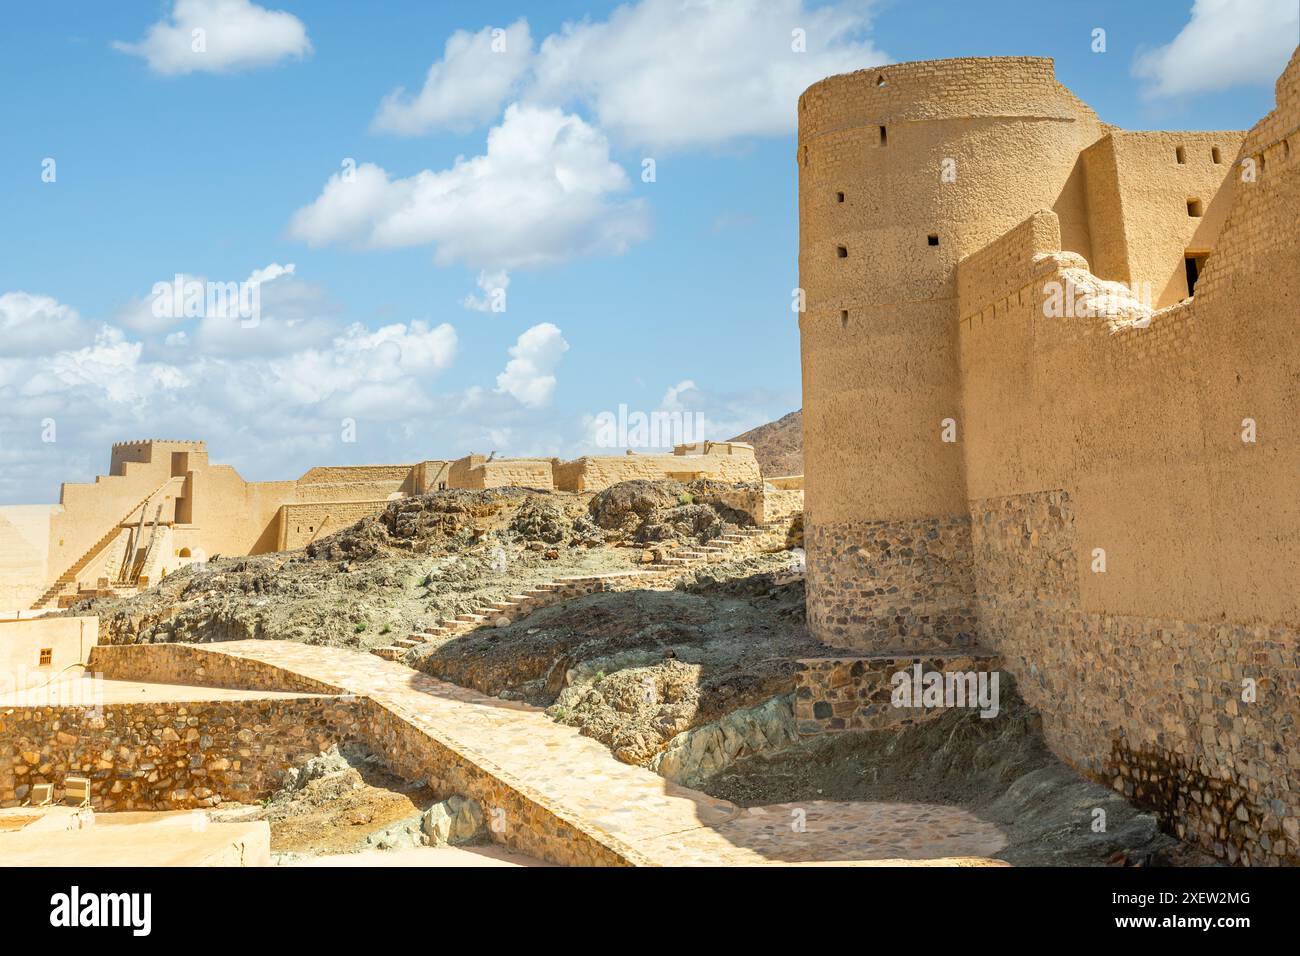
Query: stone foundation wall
855, 693
1151, 707
168, 756
881, 586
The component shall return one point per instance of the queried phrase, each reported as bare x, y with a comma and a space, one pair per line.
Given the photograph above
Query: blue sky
227, 165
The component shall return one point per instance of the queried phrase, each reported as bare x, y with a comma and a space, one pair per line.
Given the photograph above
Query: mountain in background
778, 445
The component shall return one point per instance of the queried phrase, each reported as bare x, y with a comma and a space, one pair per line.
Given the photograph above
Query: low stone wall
192, 664
527, 823
855, 693
522, 821
881, 586
168, 756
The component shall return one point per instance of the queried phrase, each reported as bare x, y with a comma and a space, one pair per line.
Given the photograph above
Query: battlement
922, 90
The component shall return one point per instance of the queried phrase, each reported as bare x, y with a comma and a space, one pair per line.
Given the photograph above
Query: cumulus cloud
476, 74
268, 413
493, 286
663, 73
1226, 43
657, 73
529, 376
543, 193
219, 36
35, 323
271, 311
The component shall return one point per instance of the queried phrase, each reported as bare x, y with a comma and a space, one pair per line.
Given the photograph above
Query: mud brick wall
854, 693
1149, 706
168, 756
879, 586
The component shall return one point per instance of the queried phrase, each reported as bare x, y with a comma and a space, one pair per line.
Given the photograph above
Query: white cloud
541, 194
268, 413
35, 323
270, 312
476, 74
658, 73
219, 36
529, 376
1226, 43
671, 75
493, 286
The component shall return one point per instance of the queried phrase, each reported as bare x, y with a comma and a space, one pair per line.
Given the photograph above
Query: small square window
839, 197
1194, 208
47, 656
1180, 154
842, 252
932, 239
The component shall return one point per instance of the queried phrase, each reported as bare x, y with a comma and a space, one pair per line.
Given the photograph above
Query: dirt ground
341, 801
1000, 768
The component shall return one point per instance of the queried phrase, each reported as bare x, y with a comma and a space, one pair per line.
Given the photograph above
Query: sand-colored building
163, 505
1006, 449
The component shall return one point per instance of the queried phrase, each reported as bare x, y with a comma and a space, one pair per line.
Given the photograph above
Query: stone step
392, 653
471, 618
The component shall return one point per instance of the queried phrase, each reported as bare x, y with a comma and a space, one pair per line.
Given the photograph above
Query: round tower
903, 170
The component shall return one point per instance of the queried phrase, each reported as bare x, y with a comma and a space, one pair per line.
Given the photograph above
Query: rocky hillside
778, 445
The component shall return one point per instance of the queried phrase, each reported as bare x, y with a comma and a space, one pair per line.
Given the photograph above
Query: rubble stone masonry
168, 756
1151, 707
856, 693
881, 586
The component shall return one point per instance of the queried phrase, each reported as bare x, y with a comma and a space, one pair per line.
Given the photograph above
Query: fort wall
1118, 544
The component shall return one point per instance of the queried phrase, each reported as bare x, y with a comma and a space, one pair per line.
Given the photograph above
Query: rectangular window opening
842, 252
47, 656
1180, 154
1194, 208
884, 136
844, 318
932, 239
839, 197
1216, 156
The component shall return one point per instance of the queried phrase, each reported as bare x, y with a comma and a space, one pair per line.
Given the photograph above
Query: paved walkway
661, 822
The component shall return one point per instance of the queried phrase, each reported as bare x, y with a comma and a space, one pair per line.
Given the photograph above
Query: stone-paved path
662, 822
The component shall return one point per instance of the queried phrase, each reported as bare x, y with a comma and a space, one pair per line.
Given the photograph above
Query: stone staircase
730, 545
665, 568
69, 577
508, 609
